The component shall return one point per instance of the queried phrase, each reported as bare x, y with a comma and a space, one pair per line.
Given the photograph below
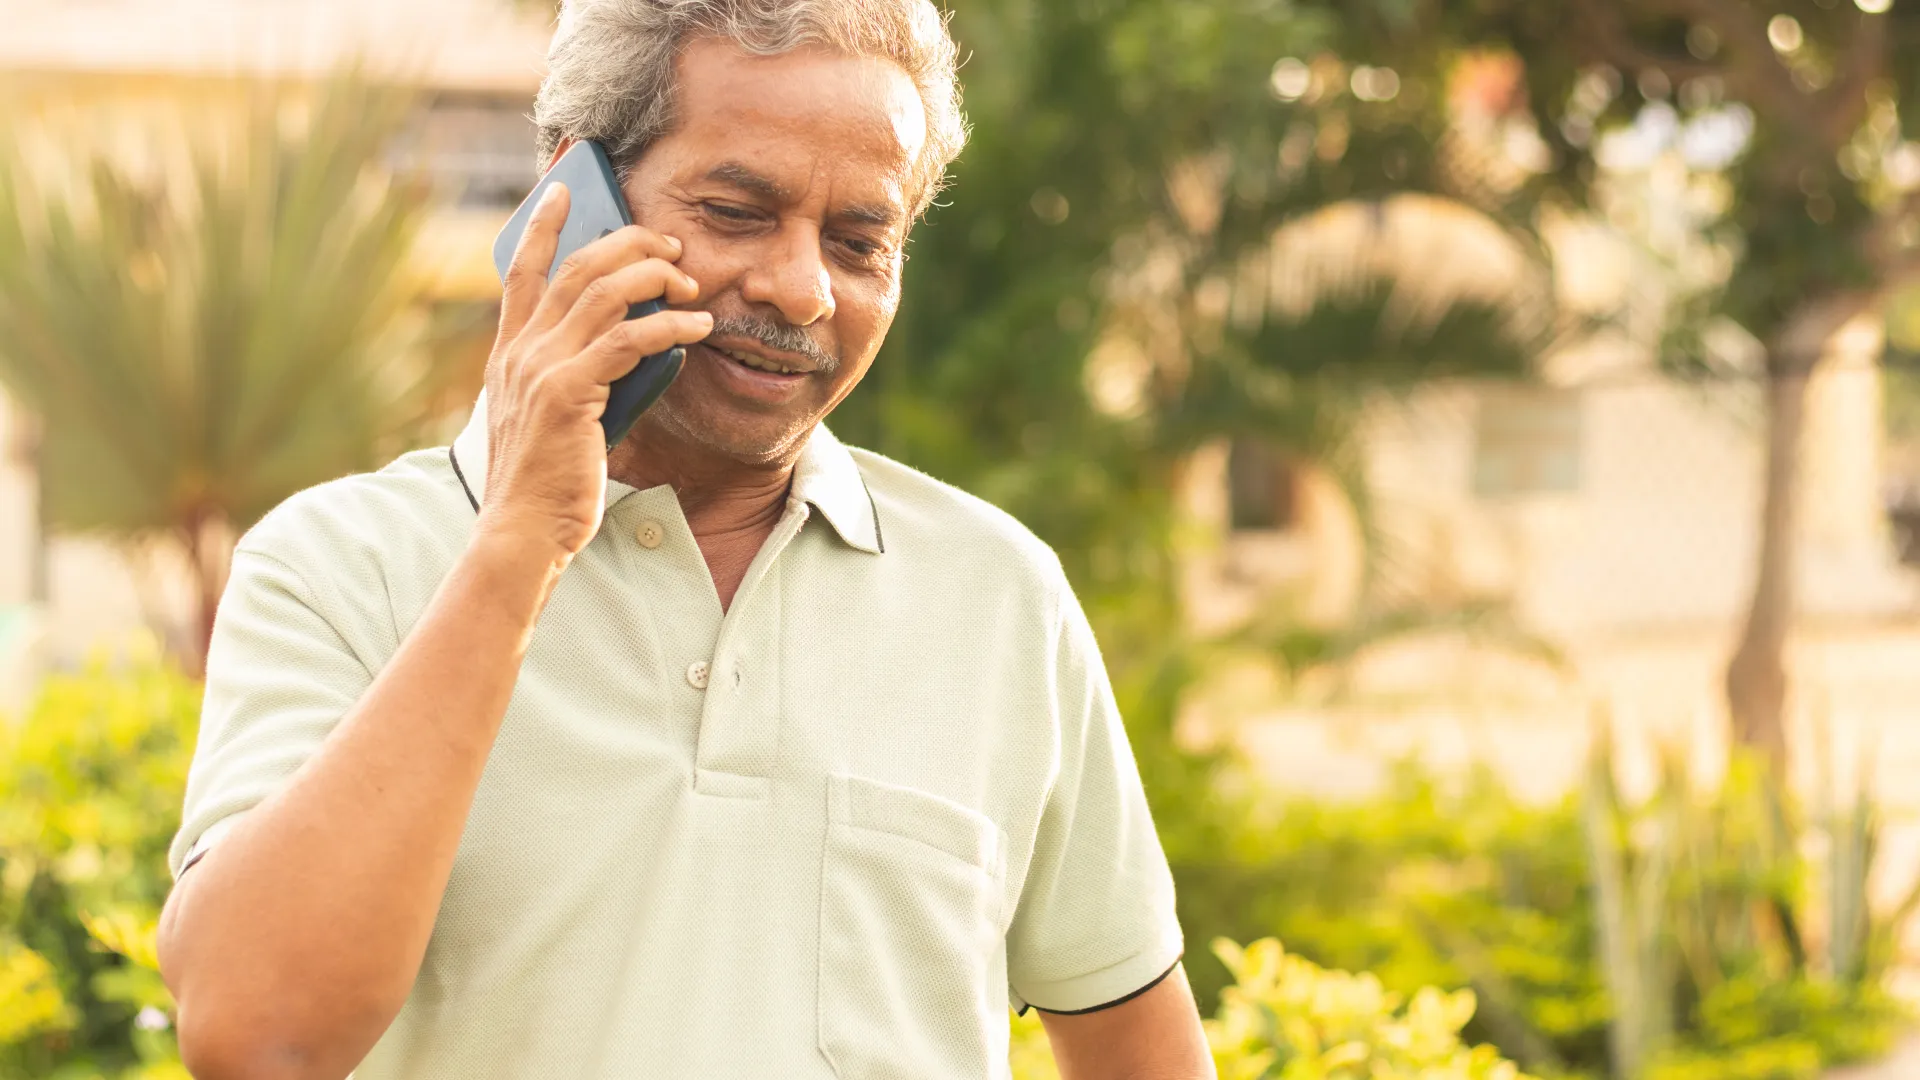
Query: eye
726, 212
866, 249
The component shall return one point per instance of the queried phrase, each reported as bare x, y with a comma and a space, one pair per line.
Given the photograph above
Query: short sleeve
1095, 923
279, 677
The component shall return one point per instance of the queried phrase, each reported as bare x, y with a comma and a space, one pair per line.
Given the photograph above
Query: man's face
788, 181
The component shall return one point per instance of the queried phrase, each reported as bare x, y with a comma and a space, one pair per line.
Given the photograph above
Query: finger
618, 248
526, 277
617, 351
605, 300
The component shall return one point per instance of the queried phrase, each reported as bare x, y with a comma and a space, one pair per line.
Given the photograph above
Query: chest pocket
910, 936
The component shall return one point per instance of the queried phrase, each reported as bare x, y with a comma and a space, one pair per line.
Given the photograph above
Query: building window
1527, 442
479, 148
1262, 487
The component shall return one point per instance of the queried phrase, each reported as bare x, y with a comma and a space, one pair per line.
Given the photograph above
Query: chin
756, 440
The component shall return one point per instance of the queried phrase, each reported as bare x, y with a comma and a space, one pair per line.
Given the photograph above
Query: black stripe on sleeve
193, 859
1157, 980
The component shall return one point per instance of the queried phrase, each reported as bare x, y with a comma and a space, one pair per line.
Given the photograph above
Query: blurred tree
1098, 296
202, 343
1820, 198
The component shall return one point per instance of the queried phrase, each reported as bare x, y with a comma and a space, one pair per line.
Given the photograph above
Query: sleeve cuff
1112, 985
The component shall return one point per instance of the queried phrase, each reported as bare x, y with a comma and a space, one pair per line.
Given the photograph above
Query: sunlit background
1486, 437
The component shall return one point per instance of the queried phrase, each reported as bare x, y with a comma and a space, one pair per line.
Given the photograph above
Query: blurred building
1612, 502
128, 79
1542, 551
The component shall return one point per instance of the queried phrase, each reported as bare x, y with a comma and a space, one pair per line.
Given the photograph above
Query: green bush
1425, 884
1286, 1018
90, 786
1464, 886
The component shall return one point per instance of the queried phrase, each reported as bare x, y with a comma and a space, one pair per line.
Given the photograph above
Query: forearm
1156, 1036
293, 944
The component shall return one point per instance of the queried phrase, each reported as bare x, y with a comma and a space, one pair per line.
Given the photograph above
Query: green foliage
219, 339
1810, 206
91, 780
1705, 901
200, 342
1286, 1018
1664, 931
1121, 170
1424, 884
30, 1001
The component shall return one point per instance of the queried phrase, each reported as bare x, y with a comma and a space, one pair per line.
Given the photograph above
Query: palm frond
209, 343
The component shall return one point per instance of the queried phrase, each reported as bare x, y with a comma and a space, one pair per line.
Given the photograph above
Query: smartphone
598, 208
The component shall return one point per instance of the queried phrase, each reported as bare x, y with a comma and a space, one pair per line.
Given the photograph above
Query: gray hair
611, 78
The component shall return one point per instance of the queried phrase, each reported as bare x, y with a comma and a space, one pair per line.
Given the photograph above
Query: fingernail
677, 246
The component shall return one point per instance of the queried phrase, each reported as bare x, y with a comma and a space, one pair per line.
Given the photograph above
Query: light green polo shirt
834, 831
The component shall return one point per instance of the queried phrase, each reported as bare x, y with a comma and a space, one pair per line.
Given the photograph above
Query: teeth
759, 364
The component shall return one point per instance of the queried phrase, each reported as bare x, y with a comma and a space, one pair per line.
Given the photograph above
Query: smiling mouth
757, 363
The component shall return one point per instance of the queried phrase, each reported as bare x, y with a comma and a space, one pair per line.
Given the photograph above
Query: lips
758, 363
745, 382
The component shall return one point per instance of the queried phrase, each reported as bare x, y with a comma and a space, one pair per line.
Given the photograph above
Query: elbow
240, 1016
213, 1050
207, 1058
219, 1042
216, 1040
222, 1038
215, 1055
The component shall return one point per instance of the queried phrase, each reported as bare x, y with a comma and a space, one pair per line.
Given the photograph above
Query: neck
720, 496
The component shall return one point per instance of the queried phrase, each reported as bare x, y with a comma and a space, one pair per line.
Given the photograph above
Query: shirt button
650, 534
697, 673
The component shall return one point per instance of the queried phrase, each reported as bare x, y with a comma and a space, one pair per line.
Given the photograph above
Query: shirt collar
826, 477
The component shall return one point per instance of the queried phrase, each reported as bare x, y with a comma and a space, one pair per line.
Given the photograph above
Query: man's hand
560, 345
1156, 1036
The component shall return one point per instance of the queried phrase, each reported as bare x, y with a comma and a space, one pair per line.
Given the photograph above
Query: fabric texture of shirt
835, 830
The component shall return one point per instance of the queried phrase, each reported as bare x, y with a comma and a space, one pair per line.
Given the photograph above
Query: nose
794, 278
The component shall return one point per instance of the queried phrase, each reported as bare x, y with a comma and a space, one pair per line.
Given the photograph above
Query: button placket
665, 577
740, 727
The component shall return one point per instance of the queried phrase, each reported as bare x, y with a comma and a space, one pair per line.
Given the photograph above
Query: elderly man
733, 752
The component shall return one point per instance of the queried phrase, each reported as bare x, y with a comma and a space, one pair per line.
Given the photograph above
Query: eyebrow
878, 216
734, 174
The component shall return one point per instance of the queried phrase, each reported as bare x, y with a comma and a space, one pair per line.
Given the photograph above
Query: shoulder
413, 510
927, 519
344, 564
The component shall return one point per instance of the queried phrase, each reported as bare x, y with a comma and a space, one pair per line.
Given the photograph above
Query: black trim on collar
879, 540
462, 477
1157, 980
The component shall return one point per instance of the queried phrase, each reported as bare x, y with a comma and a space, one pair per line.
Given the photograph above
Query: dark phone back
598, 209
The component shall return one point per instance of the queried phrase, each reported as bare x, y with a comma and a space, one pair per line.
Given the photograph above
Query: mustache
779, 336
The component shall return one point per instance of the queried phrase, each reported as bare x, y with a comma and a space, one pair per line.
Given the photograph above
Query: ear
565, 144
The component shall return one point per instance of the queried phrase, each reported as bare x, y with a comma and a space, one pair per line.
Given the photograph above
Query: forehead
808, 114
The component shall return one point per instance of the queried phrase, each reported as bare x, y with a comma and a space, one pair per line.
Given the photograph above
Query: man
731, 753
